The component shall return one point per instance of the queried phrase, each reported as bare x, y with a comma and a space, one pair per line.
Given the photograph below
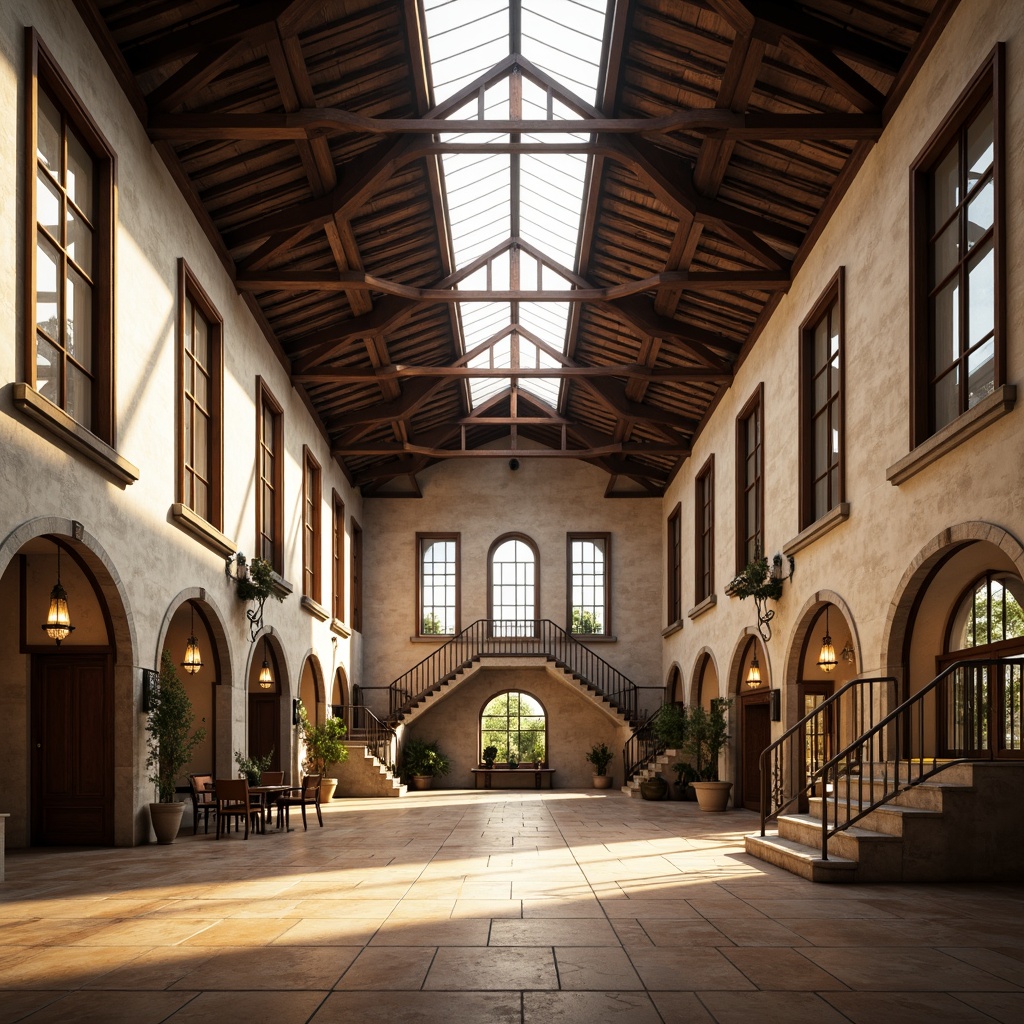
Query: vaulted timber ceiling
307, 137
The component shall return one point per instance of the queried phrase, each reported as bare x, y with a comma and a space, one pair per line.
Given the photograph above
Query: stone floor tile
588, 1007
388, 968
549, 931
770, 967
1006, 967
136, 933
746, 932
687, 970
16, 1006
449, 932
424, 1008
682, 1008
110, 1008
770, 1008
1005, 1007
332, 931
240, 932
462, 968
595, 969
155, 969
580, 907
246, 1007
297, 968
684, 933
907, 1008
61, 967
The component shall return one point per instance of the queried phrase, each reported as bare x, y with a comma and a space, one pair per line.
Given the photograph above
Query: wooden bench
519, 773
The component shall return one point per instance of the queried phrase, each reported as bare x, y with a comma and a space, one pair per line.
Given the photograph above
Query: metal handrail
966, 735
379, 738
642, 746
513, 638
783, 782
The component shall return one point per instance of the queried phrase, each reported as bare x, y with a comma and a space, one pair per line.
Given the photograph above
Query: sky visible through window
466, 38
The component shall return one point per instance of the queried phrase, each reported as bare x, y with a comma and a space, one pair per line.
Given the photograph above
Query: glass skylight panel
466, 39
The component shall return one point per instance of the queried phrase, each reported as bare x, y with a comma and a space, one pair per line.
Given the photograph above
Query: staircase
882, 810
372, 751
655, 766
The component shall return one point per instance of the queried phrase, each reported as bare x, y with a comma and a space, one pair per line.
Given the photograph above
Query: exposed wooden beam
356, 374
202, 69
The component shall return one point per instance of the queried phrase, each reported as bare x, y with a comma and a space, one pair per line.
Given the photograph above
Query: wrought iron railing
791, 766
380, 739
514, 638
642, 746
970, 712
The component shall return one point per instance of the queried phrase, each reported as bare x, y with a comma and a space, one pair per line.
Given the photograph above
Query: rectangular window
269, 492
200, 374
821, 405
675, 566
357, 577
589, 583
438, 569
958, 263
750, 481
69, 338
311, 495
338, 559
704, 539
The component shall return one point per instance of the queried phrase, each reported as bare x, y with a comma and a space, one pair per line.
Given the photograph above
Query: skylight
497, 197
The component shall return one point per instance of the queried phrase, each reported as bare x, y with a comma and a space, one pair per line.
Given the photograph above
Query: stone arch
738, 660
705, 657
674, 689
131, 819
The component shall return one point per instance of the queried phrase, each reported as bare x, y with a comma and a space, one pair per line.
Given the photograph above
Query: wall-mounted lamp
193, 658
827, 654
847, 653
266, 679
754, 673
58, 622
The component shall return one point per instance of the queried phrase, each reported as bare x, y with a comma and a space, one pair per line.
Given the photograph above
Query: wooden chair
202, 801
309, 793
233, 801
268, 801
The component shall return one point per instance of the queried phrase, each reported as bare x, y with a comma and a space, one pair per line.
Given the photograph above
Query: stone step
799, 859
854, 843
889, 818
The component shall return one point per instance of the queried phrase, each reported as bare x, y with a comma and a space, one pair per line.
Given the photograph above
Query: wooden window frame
356, 581
833, 295
536, 573
421, 540
704, 528
338, 558
43, 71
987, 83
312, 497
265, 400
606, 541
674, 571
754, 407
190, 290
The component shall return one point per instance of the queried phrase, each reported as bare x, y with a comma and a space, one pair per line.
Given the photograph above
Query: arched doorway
674, 688
753, 690
265, 688
704, 686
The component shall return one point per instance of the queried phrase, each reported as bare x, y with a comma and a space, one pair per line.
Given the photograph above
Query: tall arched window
515, 723
990, 612
513, 572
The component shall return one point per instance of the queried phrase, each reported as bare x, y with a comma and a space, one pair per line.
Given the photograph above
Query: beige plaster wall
152, 559
574, 725
863, 560
482, 500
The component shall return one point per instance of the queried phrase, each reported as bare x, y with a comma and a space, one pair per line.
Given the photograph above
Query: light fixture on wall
58, 622
193, 658
266, 679
754, 672
827, 654
847, 653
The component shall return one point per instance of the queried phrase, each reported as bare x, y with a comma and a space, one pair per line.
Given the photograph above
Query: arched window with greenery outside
990, 612
515, 723
513, 586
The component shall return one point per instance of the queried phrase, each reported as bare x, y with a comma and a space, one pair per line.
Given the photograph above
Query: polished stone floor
492, 908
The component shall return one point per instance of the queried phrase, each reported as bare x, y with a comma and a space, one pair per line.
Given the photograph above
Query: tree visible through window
515, 723
991, 613
513, 588
438, 598
588, 583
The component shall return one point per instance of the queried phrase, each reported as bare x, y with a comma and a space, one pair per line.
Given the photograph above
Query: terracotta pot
421, 781
712, 796
602, 782
654, 789
327, 788
166, 820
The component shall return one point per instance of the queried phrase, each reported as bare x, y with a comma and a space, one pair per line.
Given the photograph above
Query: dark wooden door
72, 750
265, 727
757, 734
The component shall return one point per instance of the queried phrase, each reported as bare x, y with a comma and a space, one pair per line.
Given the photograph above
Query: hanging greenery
762, 580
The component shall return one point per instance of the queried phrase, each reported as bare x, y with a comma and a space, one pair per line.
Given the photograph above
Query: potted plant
490, 753
170, 745
253, 767
669, 724
422, 762
600, 756
685, 775
324, 748
512, 759
706, 737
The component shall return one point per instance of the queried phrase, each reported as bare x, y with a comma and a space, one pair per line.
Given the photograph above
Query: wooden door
72, 750
265, 727
756, 729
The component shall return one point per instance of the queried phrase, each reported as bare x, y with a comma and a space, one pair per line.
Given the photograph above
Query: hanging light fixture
58, 622
193, 658
827, 654
754, 672
266, 676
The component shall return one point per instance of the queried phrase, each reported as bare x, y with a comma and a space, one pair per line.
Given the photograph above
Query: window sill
828, 522
595, 638
987, 411
191, 523
432, 638
706, 605
59, 424
280, 587
315, 608
339, 627
673, 627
